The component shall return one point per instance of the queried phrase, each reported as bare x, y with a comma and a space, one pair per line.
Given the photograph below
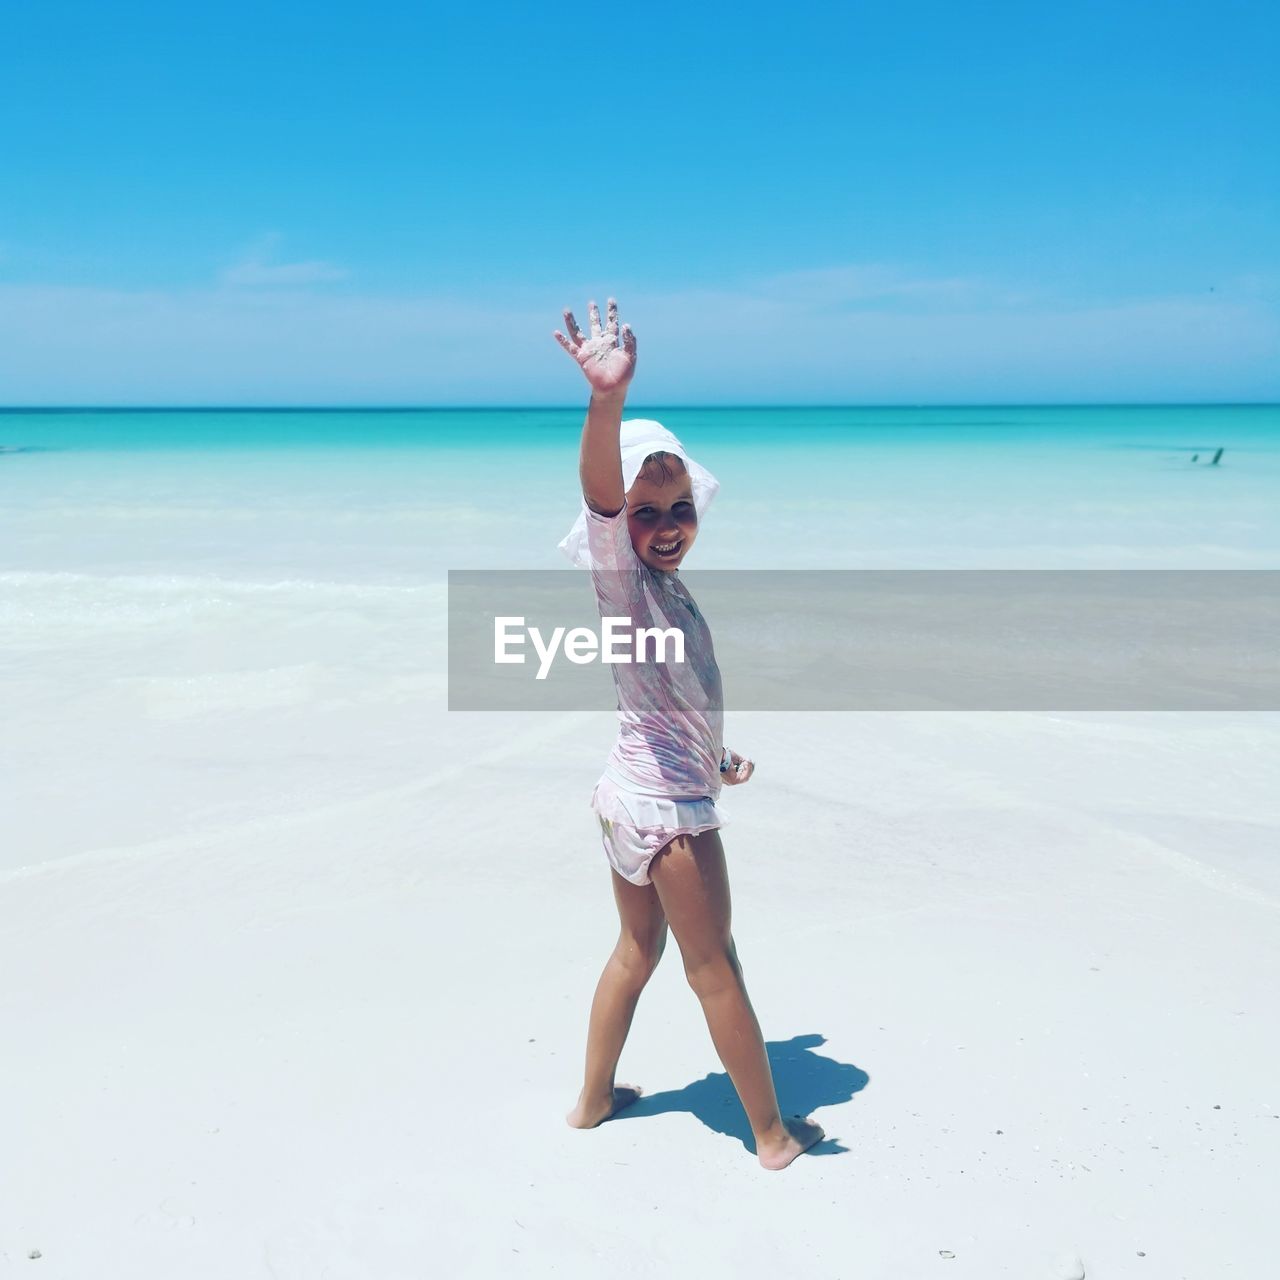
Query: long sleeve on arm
616, 571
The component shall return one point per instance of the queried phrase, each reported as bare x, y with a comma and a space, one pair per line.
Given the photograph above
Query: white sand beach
1021, 968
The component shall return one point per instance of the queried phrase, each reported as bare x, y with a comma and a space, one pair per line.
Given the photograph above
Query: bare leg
640, 944
693, 886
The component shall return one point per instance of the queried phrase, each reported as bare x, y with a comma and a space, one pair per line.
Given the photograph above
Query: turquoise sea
222, 618
400, 496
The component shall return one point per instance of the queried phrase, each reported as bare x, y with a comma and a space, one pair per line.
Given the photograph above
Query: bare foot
591, 1112
800, 1135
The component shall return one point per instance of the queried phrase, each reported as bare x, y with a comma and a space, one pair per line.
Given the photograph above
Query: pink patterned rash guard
670, 714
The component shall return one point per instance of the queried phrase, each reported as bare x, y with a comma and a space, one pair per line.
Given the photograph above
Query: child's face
661, 513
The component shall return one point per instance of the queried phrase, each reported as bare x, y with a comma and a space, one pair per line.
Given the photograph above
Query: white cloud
801, 337
255, 269
253, 274
865, 285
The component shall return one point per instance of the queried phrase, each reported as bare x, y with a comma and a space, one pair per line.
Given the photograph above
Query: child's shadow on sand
804, 1081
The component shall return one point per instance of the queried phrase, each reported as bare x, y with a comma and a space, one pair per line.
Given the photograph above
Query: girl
642, 499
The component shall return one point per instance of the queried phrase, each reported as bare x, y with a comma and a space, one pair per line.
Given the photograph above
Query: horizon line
581, 408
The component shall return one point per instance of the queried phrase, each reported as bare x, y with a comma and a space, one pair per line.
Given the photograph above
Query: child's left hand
740, 770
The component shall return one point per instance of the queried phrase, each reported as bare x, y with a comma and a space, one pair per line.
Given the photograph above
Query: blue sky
888, 203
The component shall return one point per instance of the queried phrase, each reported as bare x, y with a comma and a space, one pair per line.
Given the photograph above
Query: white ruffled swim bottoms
636, 825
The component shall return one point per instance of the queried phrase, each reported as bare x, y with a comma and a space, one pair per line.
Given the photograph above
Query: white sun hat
637, 439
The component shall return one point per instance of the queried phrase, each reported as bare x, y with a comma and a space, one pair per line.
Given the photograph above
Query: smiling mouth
667, 550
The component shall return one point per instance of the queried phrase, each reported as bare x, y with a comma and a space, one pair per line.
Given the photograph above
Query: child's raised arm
608, 367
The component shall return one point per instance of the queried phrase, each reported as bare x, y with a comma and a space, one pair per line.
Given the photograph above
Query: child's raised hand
608, 367
740, 770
